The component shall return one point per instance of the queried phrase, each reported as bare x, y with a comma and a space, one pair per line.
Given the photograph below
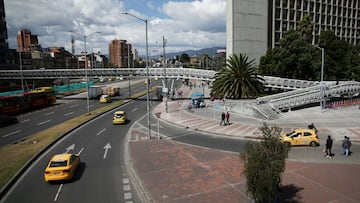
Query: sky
185, 24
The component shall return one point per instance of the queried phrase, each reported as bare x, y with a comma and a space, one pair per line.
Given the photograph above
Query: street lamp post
86, 71
147, 70
322, 102
166, 89
128, 55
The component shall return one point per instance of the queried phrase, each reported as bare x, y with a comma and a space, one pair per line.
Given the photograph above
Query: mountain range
210, 51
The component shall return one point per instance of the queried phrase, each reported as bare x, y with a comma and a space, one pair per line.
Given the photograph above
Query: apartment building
119, 53
253, 26
27, 42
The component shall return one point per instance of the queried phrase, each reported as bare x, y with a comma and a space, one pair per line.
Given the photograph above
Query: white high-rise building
255, 25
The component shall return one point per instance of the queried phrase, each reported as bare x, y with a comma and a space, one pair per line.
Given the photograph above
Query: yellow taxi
61, 167
301, 136
119, 117
105, 99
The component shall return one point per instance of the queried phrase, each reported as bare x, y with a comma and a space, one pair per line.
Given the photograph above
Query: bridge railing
315, 95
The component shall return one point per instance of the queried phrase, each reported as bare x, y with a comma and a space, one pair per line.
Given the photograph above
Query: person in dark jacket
222, 118
328, 146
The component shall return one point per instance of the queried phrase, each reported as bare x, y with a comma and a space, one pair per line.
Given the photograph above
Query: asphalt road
65, 109
101, 177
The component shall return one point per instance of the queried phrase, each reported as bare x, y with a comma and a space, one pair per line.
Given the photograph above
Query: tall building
254, 26
120, 52
27, 42
8, 57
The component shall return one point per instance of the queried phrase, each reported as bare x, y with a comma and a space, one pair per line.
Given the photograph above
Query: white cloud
185, 25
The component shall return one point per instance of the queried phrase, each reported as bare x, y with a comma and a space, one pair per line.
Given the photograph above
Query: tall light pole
21, 72
128, 55
86, 71
147, 70
322, 102
164, 64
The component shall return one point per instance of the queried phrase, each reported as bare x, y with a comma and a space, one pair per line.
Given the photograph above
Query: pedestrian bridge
298, 92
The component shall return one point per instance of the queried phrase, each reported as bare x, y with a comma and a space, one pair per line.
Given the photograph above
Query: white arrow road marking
71, 147
12, 133
101, 131
44, 122
106, 147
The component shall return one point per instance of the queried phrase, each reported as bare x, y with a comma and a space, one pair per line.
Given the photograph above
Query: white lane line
48, 114
73, 106
134, 110
58, 193
24, 121
12, 133
82, 149
101, 131
44, 122
68, 113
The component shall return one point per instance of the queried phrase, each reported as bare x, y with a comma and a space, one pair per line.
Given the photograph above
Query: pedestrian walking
222, 118
227, 116
328, 146
346, 146
343, 146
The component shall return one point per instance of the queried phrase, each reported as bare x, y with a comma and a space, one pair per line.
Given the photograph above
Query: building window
284, 13
298, 15
292, 4
277, 25
277, 3
277, 13
305, 5
284, 26
285, 3
292, 15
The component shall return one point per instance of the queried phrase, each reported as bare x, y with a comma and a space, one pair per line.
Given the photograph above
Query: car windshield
58, 163
288, 134
118, 115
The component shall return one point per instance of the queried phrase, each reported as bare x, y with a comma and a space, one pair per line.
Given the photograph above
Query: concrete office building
253, 26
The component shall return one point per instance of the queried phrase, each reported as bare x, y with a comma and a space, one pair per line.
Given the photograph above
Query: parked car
6, 120
105, 98
301, 136
119, 117
62, 167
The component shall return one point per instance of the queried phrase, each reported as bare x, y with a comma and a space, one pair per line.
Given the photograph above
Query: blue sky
186, 24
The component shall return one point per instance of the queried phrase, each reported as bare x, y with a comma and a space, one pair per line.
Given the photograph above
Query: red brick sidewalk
176, 172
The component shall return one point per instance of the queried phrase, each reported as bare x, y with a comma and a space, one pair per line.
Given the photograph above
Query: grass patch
15, 156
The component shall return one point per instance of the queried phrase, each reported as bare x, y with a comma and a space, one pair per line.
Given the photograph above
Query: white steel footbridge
299, 92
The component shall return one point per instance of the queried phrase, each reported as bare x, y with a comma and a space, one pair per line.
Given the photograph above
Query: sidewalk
177, 172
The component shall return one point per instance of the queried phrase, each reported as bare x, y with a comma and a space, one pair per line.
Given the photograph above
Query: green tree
238, 78
338, 54
264, 162
306, 27
294, 58
184, 58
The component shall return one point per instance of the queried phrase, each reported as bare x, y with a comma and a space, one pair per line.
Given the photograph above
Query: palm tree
237, 79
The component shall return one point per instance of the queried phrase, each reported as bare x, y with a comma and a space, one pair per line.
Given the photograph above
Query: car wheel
313, 144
